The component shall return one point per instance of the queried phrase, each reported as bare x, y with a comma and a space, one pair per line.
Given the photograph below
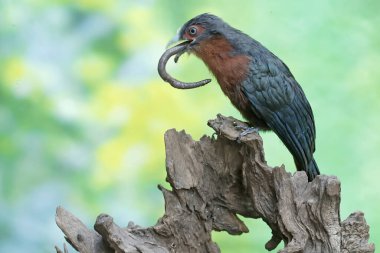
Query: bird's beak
173, 41
176, 40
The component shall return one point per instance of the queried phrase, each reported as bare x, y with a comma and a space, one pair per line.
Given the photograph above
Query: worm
178, 51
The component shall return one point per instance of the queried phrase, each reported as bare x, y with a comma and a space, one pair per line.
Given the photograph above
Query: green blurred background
83, 111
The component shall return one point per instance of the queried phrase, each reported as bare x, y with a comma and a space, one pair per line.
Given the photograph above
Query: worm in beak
177, 50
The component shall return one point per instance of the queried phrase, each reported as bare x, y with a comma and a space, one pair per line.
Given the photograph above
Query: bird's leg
248, 130
245, 130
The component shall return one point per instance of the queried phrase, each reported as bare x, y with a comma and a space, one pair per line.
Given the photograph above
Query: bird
257, 83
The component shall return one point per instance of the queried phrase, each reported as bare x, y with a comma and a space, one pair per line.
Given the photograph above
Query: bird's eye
193, 30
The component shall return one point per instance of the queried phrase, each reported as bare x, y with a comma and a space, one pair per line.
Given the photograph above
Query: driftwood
212, 181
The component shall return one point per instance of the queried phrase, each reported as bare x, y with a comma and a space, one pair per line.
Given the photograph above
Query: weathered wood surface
212, 181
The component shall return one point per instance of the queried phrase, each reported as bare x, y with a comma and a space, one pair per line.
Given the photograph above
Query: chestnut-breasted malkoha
257, 82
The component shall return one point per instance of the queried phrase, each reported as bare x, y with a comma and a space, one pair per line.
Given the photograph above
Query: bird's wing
278, 99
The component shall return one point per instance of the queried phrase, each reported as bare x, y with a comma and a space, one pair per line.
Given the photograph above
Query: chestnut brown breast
230, 70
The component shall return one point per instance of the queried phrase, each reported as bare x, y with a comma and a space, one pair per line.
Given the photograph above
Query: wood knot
80, 238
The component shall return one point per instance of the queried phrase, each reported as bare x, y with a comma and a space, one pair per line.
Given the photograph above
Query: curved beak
174, 40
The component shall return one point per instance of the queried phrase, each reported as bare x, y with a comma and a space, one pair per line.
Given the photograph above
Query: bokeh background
83, 110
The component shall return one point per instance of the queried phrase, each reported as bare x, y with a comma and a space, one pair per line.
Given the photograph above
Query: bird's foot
245, 130
248, 130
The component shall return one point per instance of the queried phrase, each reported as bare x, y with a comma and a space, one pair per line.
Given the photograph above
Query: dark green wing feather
277, 98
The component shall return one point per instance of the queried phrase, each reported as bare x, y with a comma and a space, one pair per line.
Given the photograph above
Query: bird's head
198, 29
221, 47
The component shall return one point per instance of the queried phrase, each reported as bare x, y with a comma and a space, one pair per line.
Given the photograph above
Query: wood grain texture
214, 180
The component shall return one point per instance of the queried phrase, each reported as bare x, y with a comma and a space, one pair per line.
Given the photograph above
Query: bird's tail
312, 170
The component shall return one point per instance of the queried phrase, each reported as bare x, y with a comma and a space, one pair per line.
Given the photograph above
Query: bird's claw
246, 131
249, 130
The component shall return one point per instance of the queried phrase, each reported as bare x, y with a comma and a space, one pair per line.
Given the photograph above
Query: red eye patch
193, 31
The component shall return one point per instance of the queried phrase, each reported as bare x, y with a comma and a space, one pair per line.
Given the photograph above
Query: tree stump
212, 181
